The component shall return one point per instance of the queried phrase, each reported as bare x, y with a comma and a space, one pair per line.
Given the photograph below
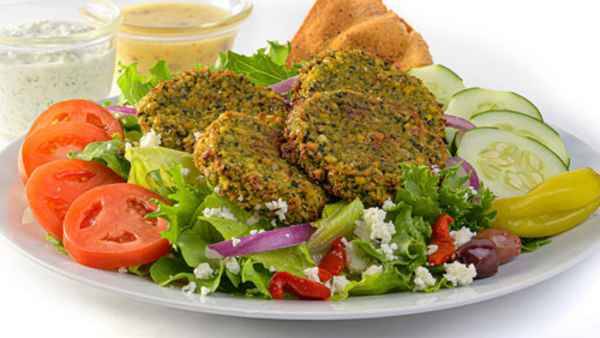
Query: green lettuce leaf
110, 153
340, 222
151, 166
264, 68
293, 260
134, 86
185, 199
56, 244
389, 280
258, 276
430, 194
533, 244
167, 270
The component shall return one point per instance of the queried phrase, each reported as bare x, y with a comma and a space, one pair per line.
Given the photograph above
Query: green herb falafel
240, 155
361, 72
355, 145
179, 109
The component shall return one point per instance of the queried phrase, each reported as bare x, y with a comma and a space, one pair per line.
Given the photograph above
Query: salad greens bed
393, 261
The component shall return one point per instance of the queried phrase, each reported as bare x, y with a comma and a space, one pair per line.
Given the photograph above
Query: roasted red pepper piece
303, 288
334, 262
440, 236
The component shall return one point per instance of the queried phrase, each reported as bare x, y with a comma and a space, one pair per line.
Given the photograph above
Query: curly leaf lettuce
134, 86
430, 194
264, 68
110, 153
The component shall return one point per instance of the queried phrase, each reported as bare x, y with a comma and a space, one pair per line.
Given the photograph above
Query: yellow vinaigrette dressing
183, 34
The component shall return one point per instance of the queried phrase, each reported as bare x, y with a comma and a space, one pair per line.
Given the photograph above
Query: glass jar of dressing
185, 34
52, 51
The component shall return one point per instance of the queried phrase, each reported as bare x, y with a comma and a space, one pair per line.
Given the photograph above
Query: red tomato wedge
53, 186
106, 228
55, 142
79, 111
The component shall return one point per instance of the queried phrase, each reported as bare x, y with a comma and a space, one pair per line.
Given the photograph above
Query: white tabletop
548, 52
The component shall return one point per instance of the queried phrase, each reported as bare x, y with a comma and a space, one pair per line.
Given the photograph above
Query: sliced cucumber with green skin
471, 101
440, 80
524, 125
507, 163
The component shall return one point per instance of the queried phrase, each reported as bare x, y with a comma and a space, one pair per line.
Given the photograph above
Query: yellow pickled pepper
555, 206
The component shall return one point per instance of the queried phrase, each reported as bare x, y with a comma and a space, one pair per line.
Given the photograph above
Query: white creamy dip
31, 79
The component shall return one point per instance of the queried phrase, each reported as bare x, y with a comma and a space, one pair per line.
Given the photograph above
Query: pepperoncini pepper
555, 206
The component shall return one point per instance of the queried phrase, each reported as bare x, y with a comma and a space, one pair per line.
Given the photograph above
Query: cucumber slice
524, 125
508, 164
440, 80
471, 101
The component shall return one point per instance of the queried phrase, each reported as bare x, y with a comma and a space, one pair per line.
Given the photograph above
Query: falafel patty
361, 72
355, 144
179, 109
240, 155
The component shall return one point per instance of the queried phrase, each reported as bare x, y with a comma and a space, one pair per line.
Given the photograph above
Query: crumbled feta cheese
212, 254
272, 269
123, 270
372, 270
354, 260
280, 207
460, 274
128, 146
232, 265
312, 274
372, 226
219, 212
252, 220
217, 190
423, 278
435, 169
462, 236
189, 289
203, 271
388, 205
204, 291
431, 249
388, 250
235, 241
339, 284
150, 139
240, 198
185, 171
197, 135
255, 231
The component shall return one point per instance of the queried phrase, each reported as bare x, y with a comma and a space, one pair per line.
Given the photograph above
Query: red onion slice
467, 168
264, 241
123, 110
285, 86
458, 123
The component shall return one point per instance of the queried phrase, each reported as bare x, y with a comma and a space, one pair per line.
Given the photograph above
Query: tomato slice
55, 142
79, 111
53, 186
106, 228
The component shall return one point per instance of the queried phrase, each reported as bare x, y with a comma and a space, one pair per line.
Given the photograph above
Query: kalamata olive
482, 254
508, 245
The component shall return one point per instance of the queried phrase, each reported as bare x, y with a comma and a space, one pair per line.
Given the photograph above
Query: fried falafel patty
361, 72
355, 144
240, 155
179, 109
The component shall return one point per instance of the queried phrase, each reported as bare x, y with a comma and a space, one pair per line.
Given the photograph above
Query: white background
548, 51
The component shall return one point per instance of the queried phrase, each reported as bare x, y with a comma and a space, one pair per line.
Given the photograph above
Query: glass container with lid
52, 51
185, 34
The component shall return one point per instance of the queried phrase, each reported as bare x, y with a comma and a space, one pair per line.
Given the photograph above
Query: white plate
527, 270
